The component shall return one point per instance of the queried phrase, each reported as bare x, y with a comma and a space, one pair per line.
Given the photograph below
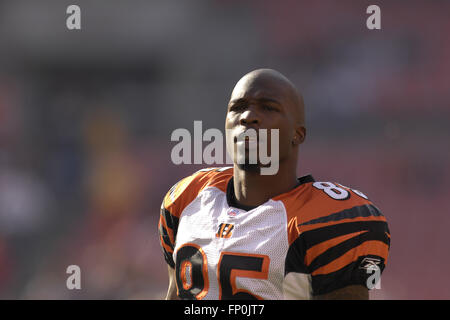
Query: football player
234, 233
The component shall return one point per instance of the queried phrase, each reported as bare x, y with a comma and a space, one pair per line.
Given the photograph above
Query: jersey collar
231, 197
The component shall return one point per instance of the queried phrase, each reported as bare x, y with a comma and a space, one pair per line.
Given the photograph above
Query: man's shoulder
322, 203
188, 188
337, 232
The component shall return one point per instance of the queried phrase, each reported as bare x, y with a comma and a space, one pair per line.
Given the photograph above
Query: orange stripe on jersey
164, 245
372, 247
320, 248
185, 191
293, 230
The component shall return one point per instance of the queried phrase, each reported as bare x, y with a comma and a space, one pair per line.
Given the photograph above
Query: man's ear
299, 136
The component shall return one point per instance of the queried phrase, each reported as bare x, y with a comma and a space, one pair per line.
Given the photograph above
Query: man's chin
249, 167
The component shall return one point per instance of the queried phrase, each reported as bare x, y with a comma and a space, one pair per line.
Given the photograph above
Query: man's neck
253, 189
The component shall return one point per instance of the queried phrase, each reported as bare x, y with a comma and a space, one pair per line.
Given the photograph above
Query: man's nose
250, 117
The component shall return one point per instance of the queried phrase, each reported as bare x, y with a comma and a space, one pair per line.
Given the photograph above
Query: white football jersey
316, 238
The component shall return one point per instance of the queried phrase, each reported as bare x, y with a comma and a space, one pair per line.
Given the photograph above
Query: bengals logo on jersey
225, 230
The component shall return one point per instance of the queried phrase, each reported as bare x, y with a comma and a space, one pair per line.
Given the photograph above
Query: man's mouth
247, 137
248, 142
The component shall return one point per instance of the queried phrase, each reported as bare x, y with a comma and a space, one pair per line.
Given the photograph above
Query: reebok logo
369, 263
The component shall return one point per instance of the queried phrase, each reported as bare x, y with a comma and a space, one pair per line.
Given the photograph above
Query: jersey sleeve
349, 247
177, 198
167, 227
169, 218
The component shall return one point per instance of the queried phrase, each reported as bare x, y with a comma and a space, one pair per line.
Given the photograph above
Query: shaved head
266, 99
272, 81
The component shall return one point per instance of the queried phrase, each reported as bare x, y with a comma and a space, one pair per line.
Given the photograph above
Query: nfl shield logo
232, 213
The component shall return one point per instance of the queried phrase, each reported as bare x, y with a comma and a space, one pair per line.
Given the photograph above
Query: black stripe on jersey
341, 248
169, 258
165, 236
365, 210
351, 274
295, 257
305, 179
171, 220
316, 236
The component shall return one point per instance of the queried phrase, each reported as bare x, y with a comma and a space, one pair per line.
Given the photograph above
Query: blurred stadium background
86, 118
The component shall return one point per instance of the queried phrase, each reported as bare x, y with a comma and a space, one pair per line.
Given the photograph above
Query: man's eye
237, 108
269, 108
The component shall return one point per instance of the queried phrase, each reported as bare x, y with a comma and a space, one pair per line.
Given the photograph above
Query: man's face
261, 103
